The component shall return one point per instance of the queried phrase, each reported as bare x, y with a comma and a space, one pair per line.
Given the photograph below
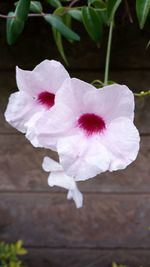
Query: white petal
31, 128
122, 141
29, 82
108, 102
52, 124
111, 102
19, 110
50, 165
81, 157
47, 76
56, 120
73, 94
46, 142
53, 73
59, 178
77, 196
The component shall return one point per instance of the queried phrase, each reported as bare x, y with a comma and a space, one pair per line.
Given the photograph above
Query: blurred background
113, 223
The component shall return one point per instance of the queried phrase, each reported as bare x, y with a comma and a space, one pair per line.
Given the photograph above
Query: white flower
58, 177
94, 128
36, 95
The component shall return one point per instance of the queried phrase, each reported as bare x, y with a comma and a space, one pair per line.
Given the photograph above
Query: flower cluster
91, 129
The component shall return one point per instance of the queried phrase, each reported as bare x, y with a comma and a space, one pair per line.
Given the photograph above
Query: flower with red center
92, 129
36, 95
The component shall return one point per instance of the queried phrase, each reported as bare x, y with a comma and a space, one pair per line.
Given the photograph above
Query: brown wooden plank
136, 80
86, 257
7, 86
21, 170
105, 221
21, 165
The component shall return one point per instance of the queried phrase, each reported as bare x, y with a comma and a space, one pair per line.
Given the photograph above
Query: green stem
108, 53
142, 93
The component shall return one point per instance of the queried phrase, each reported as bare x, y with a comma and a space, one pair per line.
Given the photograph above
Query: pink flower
58, 177
92, 129
36, 95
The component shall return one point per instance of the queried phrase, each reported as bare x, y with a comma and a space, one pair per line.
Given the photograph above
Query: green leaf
142, 10
75, 13
59, 44
22, 251
65, 18
19, 248
112, 7
22, 9
103, 15
9, 29
92, 23
16, 21
118, 265
148, 44
18, 244
57, 36
54, 3
36, 6
97, 3
60, 10
14, 27
58, 24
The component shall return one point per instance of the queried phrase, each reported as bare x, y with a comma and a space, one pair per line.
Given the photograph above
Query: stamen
91, 123
46, 98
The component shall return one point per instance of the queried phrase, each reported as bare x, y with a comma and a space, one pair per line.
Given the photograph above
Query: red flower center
91, 123
46, 98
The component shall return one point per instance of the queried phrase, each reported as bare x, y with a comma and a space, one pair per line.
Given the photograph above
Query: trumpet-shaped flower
57, 177
36, 95
93, 129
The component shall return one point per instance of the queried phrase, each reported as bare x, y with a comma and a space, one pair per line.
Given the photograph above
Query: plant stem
142, 93
29, 15
72, 3
128, 11
108, 53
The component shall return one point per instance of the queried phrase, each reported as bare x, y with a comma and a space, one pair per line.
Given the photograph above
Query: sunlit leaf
19, 244
114, 264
